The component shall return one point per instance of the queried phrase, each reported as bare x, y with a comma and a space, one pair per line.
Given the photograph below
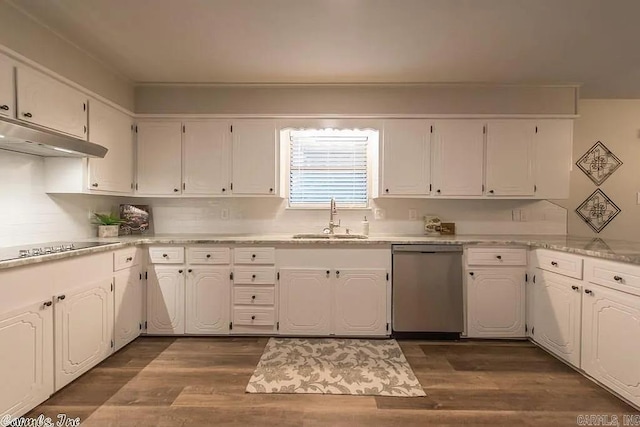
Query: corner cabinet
255, 158
127, 306
47, 102
159, 157
406, 158
7, 88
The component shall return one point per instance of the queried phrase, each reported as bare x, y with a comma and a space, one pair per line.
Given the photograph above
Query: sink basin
329, 236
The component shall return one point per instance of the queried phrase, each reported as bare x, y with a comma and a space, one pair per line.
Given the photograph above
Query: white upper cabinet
406, 158
255, 158
510, 158
457, 158
113, 130
159, 157
7, 87
47, 102
206, 157
553, 159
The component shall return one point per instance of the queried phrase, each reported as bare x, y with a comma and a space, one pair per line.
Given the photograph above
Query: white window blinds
328, 163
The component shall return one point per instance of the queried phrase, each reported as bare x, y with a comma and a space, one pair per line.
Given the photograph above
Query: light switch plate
224, 213
516, 215
413, 214
378, 213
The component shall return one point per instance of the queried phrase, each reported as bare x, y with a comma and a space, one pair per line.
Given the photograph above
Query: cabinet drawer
254, 316
166, 254
125, 258
625, 277
558, 262
497, 256
254, 256
254, 275
250, 295
202, 255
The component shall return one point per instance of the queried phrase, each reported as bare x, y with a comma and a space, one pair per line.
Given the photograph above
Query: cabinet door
557, 316
26, 337
611, 339
510, 157
165, 300
83, 330
360, 302
208, 298
305, 301
254, 157
111, 129
458, 158
406, 158
495, 303
128, 306
47, 102
7, 87
206, 157
159, 157
553, 160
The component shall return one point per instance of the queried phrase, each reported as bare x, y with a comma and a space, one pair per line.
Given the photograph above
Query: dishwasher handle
429, 249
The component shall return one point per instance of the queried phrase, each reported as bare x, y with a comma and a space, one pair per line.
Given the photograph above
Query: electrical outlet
413, 215
378, 213
524, 215
516, 215
224, 213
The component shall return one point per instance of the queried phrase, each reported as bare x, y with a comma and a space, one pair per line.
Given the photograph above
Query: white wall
616, 123
25, 36
31, 216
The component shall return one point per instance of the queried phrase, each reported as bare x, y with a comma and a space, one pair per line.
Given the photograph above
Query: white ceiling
594, 42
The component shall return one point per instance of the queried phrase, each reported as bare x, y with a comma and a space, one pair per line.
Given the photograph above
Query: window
329, 163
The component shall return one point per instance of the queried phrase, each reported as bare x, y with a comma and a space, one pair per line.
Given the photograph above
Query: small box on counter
447, 228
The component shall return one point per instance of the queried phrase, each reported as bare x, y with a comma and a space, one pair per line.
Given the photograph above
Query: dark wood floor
201, 382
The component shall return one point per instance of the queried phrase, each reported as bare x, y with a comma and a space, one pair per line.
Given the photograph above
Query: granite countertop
617, 250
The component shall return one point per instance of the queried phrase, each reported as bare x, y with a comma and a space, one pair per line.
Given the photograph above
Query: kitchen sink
329, 236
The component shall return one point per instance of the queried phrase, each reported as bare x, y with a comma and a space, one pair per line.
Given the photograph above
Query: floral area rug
334, 366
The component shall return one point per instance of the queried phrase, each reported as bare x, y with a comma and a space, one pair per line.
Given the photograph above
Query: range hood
27, 138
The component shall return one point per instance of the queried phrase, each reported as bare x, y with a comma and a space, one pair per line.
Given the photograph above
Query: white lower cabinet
83, 330
208, 293
165, 300
127, 306
305, 301
496, 303
557, 315
359, 301
26, 337
611, 339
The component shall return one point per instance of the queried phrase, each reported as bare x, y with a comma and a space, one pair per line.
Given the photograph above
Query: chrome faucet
332, 213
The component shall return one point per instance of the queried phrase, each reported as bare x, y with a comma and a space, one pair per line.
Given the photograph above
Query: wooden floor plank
201, 381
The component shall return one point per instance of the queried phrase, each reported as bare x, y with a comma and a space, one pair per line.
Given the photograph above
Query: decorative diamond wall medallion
599, 163
598, 210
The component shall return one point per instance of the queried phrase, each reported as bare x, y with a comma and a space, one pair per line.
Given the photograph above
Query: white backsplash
32, 216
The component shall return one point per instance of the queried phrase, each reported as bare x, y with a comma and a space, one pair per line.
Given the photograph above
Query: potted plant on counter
108, 224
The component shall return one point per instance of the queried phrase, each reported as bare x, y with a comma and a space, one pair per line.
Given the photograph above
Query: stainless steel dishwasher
427, 291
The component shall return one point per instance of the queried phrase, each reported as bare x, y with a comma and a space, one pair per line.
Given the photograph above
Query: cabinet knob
175, 190
179, 271
165, 256
337, 273
190, 271
490, 191
253, 317
471, 273
253, 256
588, 291
95, 184
438, 191
129, 259
253, 277
27, 115
208, 255
271, 190
575, 288
553, 263
499, 256
4, 107
48, 303
617, 278
253, 297
386, 190
224, 189
328, 273
61, 297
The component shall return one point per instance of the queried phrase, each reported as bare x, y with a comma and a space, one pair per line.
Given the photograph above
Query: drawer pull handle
588, 291
575, 288
4, 107
253, 297
617, 278
471, 273
253, 256
48, 303
189, 271
61, 297
29, 115
253, 277
553, 263
165, 256
208, 255
253, 317
179, 271
499, 256
129, 259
